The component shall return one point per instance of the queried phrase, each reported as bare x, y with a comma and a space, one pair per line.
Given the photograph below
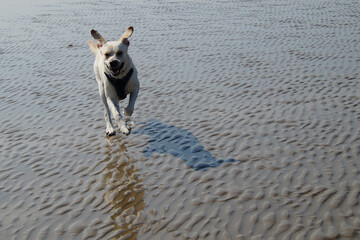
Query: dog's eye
119, 53
107, 55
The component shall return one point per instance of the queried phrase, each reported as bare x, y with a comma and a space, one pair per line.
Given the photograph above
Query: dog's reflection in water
125, 190
179, 143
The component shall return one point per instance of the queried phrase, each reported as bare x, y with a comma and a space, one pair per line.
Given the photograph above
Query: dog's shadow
178, 142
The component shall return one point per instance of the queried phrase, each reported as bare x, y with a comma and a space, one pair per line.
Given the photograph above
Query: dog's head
113, 53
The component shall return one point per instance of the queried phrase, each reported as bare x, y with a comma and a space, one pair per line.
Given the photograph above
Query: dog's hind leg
130, 107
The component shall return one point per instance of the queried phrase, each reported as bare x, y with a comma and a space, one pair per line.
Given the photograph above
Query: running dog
116, 77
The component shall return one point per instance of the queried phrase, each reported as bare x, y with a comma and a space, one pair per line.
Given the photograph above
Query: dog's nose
114, 64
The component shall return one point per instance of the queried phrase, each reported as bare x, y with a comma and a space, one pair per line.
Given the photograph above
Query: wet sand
246, 126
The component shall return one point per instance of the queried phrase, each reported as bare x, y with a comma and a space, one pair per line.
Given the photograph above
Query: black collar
120, 83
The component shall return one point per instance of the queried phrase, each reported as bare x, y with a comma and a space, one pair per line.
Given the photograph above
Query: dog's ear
98, 37
126, 35
94, 49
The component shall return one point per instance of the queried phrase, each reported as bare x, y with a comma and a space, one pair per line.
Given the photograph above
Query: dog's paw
125, 130
110, 133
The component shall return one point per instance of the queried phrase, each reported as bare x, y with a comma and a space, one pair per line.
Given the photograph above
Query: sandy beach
247, 125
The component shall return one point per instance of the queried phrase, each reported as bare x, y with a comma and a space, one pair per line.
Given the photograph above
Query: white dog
116, 76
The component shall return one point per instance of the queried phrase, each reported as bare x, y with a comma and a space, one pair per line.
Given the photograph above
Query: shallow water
273, 85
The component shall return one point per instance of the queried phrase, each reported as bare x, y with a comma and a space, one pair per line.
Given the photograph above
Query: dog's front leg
110, 130
130, 107
114, 108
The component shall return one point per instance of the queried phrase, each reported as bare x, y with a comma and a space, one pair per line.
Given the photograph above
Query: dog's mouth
115, 70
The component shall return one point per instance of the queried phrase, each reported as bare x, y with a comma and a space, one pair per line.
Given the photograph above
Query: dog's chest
119, 84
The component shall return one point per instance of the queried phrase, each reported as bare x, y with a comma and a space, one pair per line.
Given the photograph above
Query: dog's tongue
115, 72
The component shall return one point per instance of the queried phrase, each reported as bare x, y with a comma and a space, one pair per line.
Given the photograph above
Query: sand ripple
246, 127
